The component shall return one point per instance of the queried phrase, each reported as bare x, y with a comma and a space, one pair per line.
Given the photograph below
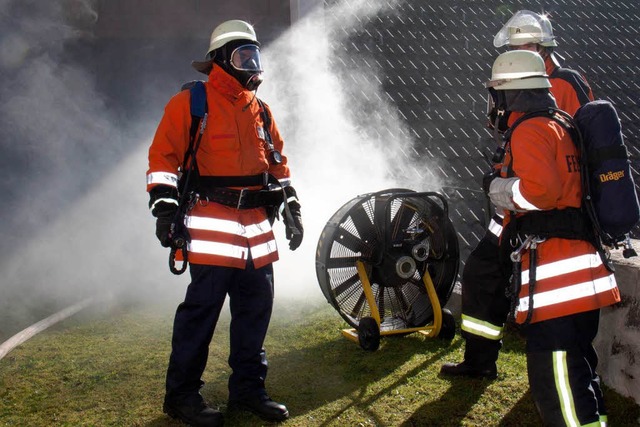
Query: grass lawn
107, 369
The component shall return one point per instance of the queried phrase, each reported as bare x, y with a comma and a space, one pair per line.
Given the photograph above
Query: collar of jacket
227, 85
549, 65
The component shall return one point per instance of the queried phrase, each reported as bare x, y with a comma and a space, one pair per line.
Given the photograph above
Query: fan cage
374, 229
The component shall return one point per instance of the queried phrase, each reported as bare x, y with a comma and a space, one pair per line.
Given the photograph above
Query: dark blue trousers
251, 301
561, 364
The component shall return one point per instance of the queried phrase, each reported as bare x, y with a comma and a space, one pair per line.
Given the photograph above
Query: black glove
163, 202
163, 229
294, 231
488, 177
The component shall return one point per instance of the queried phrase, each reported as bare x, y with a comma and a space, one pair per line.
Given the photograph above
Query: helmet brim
530, 82
203, 66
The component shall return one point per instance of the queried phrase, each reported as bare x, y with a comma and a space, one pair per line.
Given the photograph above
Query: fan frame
364, 269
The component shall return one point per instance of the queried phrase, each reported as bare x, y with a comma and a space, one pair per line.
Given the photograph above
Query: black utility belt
242, 199
568, 223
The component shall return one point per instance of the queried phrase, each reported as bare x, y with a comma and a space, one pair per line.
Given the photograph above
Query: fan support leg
368, 292
433, 330
430, 331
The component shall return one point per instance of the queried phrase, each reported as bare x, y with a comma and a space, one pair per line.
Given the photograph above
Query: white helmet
526, 27
234, 29
518, 69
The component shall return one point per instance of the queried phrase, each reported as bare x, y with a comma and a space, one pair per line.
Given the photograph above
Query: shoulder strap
266, 119
198, 107
539, 113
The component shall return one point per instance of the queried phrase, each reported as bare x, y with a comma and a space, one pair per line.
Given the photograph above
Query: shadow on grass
514, 417
337, 373
456, 403
364, 401
333, 374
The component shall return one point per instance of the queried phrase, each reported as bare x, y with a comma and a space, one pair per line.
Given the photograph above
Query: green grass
108, 370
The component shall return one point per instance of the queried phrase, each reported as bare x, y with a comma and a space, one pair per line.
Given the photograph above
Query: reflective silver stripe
166, 178
239, 35
519, 199
481, 328
568, 293
561, 376
228, 226
495, 228
166, 200
558, 268
217, 248
263, 249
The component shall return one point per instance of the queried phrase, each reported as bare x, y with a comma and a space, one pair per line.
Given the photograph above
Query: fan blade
380, 216
403, 219
353, 243
342, 262
357, 307
346, 285
362, 222
381, 303
400, 299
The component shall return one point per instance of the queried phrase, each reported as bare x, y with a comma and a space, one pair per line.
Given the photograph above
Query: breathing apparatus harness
525, 233
194, 188
179, 233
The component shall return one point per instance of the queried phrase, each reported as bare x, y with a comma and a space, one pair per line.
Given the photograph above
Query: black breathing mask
497, 110
241, 59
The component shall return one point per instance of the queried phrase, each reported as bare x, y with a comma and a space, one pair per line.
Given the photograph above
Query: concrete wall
618, 340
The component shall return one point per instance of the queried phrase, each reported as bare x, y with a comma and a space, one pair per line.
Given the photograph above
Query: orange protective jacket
570, 275
568, 87
570, 90
233, 144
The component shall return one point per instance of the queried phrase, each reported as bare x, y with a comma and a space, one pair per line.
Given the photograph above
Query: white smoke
333, 158
104, 242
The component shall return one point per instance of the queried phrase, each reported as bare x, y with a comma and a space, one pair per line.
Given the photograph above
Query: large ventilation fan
378, 257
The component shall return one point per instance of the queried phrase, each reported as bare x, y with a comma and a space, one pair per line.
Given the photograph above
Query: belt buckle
240, 197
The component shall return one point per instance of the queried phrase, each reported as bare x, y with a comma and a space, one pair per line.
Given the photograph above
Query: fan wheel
398, 235
369, 334
448, 328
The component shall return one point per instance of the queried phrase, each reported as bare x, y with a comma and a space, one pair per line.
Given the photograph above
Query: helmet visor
246, 58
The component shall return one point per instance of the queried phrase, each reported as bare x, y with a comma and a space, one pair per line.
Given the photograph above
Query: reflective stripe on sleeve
285, 182
519, 199
166, 178
495, 228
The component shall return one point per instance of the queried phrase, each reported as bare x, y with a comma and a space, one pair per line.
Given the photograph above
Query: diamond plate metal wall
432, 58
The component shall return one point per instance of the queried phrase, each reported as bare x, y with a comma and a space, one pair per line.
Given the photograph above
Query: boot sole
273, 419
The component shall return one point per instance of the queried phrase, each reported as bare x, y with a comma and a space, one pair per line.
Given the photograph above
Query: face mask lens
246, 58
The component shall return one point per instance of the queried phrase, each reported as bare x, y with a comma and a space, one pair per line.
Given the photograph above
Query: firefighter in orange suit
238, 182
484, 305
546, 244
